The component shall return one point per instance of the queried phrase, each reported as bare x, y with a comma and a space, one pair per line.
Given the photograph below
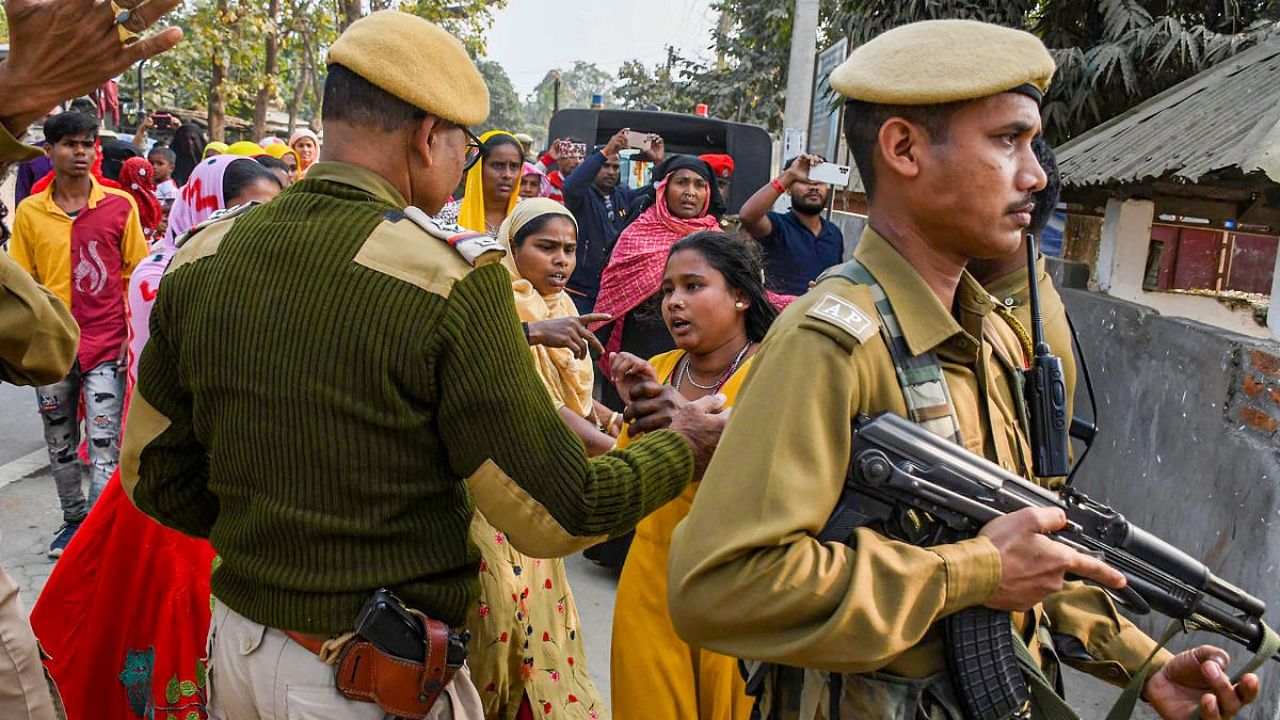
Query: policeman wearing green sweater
333, 378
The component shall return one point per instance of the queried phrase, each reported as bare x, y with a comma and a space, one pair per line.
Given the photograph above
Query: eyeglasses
475, 149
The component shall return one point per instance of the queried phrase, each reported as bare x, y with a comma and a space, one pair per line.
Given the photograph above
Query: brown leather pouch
402, 688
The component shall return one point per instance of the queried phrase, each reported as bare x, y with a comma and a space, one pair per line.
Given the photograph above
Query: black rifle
898, 466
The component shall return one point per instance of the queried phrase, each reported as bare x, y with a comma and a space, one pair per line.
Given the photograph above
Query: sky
530, 37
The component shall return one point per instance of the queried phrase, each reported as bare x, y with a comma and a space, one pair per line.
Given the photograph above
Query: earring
739, 305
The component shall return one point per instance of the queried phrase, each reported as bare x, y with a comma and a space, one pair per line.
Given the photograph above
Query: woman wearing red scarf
138, 178
684, 201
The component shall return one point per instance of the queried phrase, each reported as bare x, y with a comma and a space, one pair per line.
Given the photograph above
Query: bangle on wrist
525, 326
777, 185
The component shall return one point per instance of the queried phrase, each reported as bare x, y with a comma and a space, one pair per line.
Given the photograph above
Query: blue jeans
102, 389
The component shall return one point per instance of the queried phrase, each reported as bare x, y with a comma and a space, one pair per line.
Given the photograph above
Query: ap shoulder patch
476, 247
843, 314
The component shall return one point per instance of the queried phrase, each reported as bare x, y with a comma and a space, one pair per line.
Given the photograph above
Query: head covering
639, 258
647, 197
471, 214
270, 140
214, 148
245, 148
138, 178
200, 198
544, 184
721, 165
300, 134
279, 150
391, 49
189, 142
114, 153
567, 379
942, 61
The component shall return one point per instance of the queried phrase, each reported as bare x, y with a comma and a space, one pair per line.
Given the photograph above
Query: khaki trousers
258, 673
26, 692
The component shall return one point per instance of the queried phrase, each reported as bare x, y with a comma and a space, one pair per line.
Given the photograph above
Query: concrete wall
1188, 417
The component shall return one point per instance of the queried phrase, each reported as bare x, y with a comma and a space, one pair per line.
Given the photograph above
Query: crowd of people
406, 357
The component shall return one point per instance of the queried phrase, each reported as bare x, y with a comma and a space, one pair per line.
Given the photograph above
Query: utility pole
804, 46
725, 26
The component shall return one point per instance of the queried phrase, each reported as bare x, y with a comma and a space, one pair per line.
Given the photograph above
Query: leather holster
402, 688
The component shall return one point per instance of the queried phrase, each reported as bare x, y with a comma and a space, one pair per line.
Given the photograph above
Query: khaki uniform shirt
38, 336
1014, 292
748, 576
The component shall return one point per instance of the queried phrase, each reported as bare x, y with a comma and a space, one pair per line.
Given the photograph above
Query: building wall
1121, 267
1188, 416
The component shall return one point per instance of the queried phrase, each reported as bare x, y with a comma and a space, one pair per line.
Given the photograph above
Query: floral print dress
526, 635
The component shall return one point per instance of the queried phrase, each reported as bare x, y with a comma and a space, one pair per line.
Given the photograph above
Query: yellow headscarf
566, 378
215, 147
279, 150
471, 213
246, 148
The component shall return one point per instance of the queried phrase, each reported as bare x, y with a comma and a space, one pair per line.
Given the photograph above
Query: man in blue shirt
798, 244
601, 206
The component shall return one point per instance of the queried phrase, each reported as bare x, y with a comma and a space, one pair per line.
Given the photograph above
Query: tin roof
1227, 117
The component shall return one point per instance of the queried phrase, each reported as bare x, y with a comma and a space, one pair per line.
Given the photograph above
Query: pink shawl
635, 268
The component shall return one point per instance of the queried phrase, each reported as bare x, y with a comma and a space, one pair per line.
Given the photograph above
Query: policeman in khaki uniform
38, 341
1006, 277
940, 121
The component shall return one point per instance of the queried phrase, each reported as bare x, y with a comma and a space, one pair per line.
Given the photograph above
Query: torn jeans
102, 390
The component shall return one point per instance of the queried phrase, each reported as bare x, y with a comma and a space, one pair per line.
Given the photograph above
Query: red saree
124, 616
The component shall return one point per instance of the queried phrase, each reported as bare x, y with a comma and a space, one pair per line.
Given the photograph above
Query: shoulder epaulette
471, 245
217, 217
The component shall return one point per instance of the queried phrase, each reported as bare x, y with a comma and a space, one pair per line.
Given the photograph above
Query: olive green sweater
321, 378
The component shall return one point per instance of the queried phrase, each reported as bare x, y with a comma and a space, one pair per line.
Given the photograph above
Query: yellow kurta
655, 674
527, 638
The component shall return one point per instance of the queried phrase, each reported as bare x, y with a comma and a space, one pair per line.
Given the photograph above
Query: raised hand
62, 49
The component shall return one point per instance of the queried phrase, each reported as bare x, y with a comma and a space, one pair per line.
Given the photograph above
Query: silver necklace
720, 381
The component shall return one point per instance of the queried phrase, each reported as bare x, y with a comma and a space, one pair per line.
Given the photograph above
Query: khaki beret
417, 62
941, 61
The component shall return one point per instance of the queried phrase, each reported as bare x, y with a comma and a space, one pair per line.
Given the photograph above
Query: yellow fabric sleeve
133, 248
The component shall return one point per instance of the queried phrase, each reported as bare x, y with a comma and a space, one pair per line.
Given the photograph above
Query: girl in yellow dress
714, 305
527, 657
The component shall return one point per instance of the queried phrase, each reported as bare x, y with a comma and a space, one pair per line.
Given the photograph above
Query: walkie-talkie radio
1045, 388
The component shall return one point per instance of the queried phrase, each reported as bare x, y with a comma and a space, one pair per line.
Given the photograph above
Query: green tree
240, 58
1111, 54
748, 81
577, 85
505, 109
664, 86
466, 19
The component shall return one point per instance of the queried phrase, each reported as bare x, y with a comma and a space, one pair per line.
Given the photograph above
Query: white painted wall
1122, 262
